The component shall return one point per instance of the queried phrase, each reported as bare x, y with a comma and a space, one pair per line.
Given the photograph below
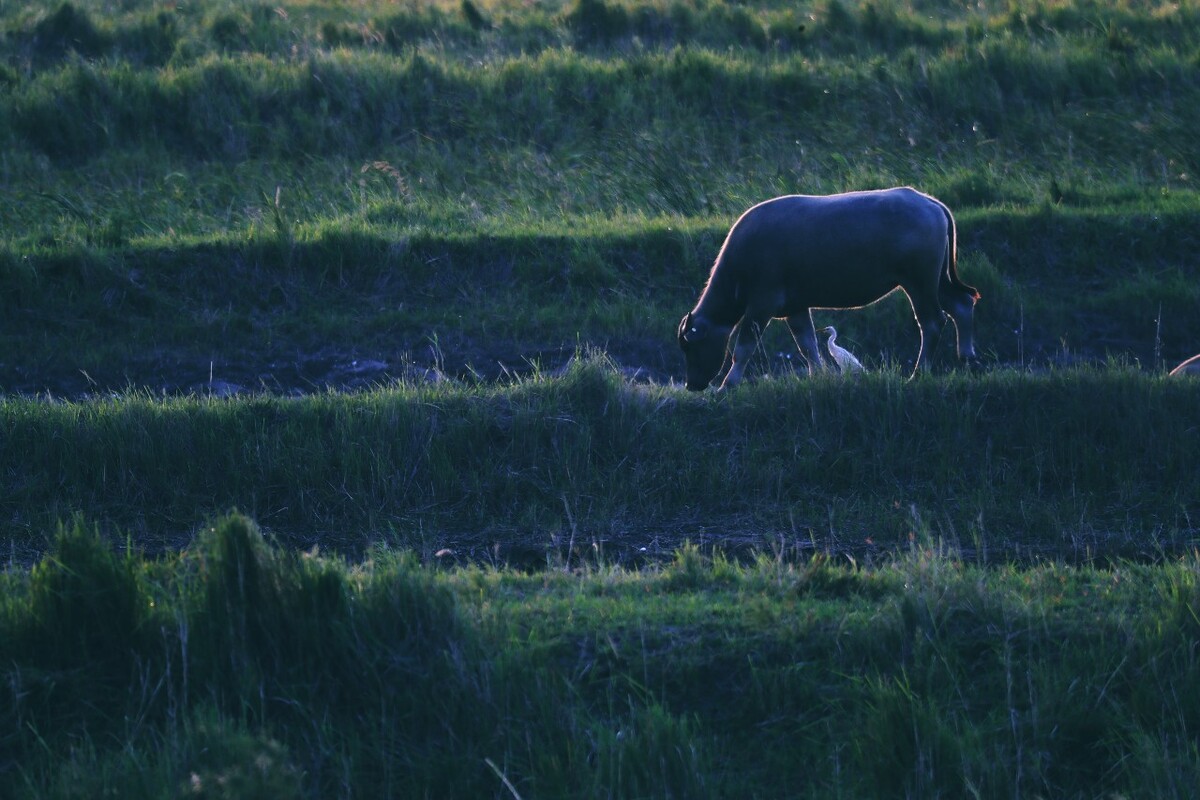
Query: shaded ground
738, 538
744, 540
298, 371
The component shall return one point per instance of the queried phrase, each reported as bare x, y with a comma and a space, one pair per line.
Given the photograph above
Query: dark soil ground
298, 370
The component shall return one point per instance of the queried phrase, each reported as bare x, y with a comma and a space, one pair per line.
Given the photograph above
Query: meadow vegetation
238, 669
517, 561
243, 669
222, 188
995, 464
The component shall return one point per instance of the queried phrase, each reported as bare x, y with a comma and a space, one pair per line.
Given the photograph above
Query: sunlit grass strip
233, 105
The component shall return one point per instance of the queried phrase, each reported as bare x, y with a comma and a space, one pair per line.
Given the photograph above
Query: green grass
1060, 286
163, 160
220, 187
1100, 460
541, 579
222, 671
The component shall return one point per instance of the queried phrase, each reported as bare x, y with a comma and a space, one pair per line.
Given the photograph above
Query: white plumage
845, 359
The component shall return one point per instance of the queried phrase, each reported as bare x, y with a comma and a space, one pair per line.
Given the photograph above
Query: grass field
241, 670
265, 195
342, 453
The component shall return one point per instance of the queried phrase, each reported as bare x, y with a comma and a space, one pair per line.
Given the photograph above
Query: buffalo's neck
723, 301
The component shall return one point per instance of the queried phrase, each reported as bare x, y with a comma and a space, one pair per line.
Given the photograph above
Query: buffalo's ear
684, 325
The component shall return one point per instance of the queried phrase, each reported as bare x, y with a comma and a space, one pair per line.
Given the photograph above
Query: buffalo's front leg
748, 337
930, 318
801, 326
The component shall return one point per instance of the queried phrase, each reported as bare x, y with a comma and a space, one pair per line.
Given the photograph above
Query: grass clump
67, 29
85, 601
79, 623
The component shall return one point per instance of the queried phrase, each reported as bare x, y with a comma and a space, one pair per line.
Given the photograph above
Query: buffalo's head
703, 346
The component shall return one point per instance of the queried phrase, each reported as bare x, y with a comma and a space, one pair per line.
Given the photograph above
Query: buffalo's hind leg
805, 337
930, 319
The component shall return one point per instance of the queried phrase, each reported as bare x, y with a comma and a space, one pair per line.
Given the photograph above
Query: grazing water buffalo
786, 256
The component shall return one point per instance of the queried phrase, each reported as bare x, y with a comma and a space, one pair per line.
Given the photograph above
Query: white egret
845, 359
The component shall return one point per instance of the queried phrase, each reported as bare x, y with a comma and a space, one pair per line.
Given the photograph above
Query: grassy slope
231, 187
1059, 285
234, 188
993, 463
